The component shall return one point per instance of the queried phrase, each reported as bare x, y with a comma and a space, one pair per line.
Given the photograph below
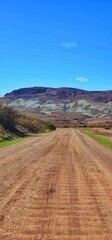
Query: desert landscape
55, 120
56, 185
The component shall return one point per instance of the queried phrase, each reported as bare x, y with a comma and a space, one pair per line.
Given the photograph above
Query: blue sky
55, 43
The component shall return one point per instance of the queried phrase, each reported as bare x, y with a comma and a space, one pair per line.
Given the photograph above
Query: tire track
60, 191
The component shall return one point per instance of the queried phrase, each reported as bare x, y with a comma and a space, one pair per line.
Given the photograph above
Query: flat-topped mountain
60, 94
62, 104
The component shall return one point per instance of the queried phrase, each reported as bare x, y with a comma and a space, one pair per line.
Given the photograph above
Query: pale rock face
47, 101
85, 107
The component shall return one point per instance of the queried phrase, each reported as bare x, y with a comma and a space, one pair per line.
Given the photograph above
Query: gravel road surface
56, 186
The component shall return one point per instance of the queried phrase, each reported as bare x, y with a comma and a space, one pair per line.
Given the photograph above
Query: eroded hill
63, 105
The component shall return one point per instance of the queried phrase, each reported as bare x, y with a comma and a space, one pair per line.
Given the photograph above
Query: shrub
8, 118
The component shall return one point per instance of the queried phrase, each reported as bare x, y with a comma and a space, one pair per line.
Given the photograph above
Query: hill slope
57, 94
14, 123
61, 103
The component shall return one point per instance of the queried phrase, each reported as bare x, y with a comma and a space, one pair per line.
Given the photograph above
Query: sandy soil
56, 186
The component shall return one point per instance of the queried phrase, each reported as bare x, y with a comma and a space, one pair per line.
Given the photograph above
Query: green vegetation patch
6, 140
105, 141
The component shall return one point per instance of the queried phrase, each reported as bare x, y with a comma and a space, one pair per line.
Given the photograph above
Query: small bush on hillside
33, 124
29, 123
8, 118
51, 126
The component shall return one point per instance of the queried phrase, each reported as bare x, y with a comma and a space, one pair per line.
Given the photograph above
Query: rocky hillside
61, 103
57, 94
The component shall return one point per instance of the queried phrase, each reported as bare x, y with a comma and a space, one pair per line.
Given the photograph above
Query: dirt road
56, 186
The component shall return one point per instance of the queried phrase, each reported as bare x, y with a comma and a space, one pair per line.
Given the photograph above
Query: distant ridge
60, 93
65, 105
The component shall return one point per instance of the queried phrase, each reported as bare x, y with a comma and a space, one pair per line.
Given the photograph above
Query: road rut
56, 186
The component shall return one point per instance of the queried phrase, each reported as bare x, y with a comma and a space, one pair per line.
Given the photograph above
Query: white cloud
81, 79
69, 44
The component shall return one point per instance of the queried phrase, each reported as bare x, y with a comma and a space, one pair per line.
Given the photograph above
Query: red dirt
56, 186
103, 132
